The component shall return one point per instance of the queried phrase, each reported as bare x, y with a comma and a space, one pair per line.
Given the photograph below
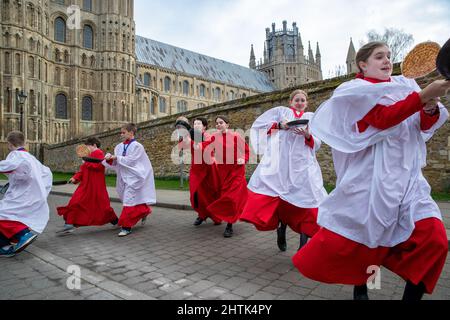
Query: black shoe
413, 292
360, 293
115, 222
303, 240
281, 237
198, 221
228, 233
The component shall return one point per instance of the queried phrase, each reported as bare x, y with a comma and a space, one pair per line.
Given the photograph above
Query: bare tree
397, 40
339, 70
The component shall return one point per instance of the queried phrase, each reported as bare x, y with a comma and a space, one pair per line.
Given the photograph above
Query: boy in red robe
90, 204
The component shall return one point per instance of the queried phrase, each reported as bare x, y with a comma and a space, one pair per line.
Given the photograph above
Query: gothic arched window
185, 87
202, 92
166, 84
147, 79
86, 109
162, 105
60, 30
88, 37
61, 106
217, 94
181, 106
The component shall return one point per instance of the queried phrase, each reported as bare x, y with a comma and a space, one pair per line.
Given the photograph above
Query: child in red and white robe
231, 153
203, 175
381, 212
90, 204
135, 181
287, 185
24, 211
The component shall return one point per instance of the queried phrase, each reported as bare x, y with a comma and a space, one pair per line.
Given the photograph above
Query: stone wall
155, 135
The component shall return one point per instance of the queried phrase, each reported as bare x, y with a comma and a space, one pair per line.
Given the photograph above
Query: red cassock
90, 204
228, 148
11, 228
204, 181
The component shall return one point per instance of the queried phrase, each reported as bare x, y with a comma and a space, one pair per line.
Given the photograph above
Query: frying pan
296, 123
93, 160
443, 60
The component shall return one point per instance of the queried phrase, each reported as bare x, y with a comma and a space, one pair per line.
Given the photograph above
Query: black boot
198, 221
228, 233
413, 292
360, 293
281, 237
303, 240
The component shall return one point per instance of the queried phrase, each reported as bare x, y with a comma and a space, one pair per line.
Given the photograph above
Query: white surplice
135, 180
289, 168
380, 190
30, 183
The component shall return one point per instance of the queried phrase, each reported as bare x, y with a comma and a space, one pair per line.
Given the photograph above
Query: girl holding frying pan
287, 185
381, 212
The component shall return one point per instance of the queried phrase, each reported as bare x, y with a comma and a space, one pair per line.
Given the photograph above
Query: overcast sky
225, 29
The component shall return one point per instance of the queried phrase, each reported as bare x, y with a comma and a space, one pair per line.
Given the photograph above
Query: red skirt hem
331, 258
265, 212
131, 215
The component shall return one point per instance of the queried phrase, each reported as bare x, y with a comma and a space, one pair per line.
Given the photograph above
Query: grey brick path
171, 259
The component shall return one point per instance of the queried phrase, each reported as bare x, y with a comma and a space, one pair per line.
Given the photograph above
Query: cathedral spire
318, 55
252, 59
310, 53
351, 58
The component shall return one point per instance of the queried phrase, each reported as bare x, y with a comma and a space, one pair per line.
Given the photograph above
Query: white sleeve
47, 178
11, 163
260, 128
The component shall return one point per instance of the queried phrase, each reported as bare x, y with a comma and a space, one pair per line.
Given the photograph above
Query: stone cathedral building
285, 62
76, 68
85, 71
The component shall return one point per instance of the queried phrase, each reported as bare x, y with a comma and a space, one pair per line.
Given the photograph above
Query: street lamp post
21, 97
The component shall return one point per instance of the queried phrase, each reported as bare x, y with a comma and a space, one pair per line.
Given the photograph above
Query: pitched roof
163, 55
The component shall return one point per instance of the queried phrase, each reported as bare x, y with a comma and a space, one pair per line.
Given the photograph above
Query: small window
162, 105
87, 5
181, 106
61, 106
185, 87
60, 30
86, 109
147, 79
167, 84
202, 92
88, 37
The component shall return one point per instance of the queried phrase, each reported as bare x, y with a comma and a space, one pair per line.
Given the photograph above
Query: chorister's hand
73, 181
108, 156
431, 106
303, 132
437, 88
240, 161
282, 125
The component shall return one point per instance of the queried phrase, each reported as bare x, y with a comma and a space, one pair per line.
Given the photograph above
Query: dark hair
93, 141
203, 120
224, 118
183, 123
16, 138
366, 50
130, 127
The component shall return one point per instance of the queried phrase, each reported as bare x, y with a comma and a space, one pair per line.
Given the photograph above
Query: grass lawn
166, 184
174, 184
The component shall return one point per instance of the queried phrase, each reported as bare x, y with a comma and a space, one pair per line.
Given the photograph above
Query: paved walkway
169, 258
